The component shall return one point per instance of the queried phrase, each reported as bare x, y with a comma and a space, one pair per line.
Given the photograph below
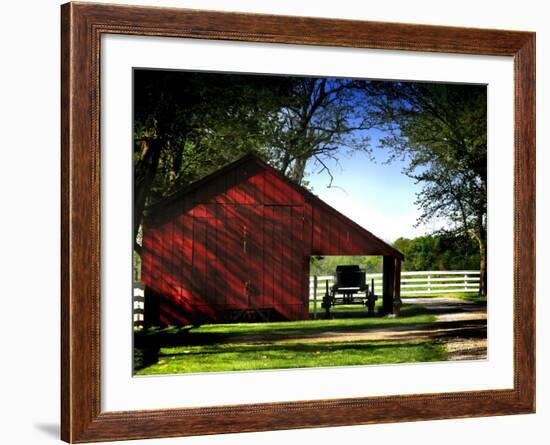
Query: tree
438, 252
188, 124
441, 130
326, 265
321, 118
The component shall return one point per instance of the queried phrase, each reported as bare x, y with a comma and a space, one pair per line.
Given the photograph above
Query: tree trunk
285, 163
482, 267
481, 238
298, 170
144, 175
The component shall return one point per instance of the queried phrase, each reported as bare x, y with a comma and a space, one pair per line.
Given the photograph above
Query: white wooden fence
138, 303
413, 283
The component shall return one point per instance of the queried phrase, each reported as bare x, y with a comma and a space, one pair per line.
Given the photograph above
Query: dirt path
461, 324
460, 347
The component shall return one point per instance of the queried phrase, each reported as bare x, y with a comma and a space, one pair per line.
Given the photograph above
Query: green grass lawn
216, 333
237, 357
468, 296
224, 347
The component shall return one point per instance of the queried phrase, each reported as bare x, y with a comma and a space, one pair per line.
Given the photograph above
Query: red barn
241, 239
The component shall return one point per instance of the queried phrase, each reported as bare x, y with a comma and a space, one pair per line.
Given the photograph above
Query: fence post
315, 296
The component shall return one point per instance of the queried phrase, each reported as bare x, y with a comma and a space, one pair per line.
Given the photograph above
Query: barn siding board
316, 229
274, 260
259, 262
226, 263
258, 183
230, 181
230, 241
199, 247
218, 193
237, 191
209, 253
146, 256
217, 266
241, 238
286, 253
333, 228
277, 259
270, 190
285, 295
156, 264
326, 244
270, 223
267, 260
168, 238
174, 278
308, 248
296, 257
186, 269
220, 270
165, 312
235, 259
248, 189
179, 255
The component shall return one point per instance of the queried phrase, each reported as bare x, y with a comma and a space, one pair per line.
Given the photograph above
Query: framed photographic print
275, 222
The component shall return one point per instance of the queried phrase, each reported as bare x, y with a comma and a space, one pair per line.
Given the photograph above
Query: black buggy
348, 288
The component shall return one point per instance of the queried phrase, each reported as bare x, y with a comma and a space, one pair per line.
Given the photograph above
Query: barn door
205, 268
242, 246
282, 248
249, 257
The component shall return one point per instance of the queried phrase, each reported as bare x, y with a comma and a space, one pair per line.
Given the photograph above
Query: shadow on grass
238, 357
147, 344
411, 315
312, 348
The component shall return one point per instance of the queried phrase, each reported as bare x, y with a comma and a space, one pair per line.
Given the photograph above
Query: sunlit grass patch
241, 357
246, 346
468, 296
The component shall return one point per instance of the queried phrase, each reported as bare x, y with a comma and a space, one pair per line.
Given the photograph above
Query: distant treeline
430, 252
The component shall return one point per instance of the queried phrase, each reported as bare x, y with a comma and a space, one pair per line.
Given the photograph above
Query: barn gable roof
308, 196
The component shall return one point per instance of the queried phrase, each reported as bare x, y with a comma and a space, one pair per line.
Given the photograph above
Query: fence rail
421, 282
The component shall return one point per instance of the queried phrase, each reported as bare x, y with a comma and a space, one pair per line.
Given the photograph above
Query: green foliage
441, 129
189, 124
430, 252
438, 252
197, 122
323, 118
326, 265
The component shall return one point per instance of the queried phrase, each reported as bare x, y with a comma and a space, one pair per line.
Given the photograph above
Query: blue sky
375, 194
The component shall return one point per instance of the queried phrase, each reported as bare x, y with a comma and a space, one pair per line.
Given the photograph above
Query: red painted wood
242, 239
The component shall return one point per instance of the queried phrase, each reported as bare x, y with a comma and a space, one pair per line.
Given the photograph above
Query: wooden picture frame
82, 26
